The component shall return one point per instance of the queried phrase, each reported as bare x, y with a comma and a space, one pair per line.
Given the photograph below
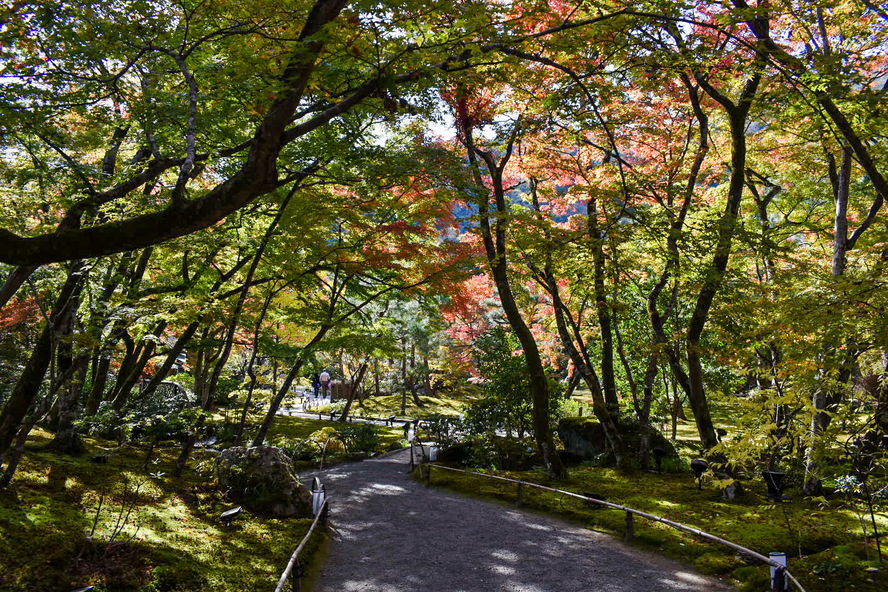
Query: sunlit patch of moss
391, 404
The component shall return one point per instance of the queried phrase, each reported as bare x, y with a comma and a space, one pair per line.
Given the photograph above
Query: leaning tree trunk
495, 248
285, 388
727, 224
28, 385
140, 358
355, 386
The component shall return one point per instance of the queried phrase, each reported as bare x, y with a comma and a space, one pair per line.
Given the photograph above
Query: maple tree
683, 196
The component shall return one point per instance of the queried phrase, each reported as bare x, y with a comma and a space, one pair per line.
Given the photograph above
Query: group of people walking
321, 383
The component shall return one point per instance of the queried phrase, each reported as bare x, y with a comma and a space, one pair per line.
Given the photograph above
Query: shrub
360, 437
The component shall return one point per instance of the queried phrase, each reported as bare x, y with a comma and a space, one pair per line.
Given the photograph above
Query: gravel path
392, 534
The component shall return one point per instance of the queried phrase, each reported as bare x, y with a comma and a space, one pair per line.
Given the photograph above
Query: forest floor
54, 538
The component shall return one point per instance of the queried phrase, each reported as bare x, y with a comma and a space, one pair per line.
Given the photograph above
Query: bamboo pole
294, 558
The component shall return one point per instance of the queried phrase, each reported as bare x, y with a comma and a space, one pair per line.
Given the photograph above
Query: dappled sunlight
504, 555
503, 570
383, 489
689, 577
412, 538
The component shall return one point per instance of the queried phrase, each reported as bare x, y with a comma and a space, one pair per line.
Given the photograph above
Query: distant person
316, 383
325, 381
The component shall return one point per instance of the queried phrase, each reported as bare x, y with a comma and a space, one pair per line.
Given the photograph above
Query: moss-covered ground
172, 540
385, 406
822, 539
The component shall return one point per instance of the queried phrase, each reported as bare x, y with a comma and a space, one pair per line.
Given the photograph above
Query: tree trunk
727, 224
251, 371
14, 281
496, 257
141, 356
101, 365
404, 383
67, 440
234, 320
28, 385
608, 378
285, 388
355, 386
164, 369
821, 401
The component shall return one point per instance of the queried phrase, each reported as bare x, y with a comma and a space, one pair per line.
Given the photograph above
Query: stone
584, 440
733, 491
261, 478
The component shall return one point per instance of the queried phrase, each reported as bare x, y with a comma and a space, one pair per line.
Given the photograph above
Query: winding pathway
392, 534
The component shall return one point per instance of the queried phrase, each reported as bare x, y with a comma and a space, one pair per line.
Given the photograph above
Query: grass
173, 539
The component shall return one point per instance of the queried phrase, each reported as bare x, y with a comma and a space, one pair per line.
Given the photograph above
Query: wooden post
296, 576
630, 527
518, 497
429, 474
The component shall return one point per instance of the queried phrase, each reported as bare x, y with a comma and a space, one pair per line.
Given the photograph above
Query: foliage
505, 402
360, 437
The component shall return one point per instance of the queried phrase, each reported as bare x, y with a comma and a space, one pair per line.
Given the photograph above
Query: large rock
584, 439
262, 479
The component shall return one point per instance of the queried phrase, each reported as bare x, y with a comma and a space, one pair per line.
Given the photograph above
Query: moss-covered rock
261, 478
584, 439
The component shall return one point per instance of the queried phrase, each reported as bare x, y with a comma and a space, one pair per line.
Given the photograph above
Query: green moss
391, 404
173, 539
717, 563
752, 578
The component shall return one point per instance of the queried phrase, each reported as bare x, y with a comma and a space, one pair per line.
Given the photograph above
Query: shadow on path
392, 534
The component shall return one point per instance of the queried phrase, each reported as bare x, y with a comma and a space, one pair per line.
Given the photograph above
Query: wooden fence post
296, 576
518, 497
630, 527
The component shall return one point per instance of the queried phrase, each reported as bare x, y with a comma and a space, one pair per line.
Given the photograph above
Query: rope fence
294, 569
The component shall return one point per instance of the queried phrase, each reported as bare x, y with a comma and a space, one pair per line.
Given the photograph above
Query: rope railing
293, 564
781, 569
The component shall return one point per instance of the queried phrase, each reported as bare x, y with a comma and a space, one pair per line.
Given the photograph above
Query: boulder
584, 439
261, 479
733, 490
